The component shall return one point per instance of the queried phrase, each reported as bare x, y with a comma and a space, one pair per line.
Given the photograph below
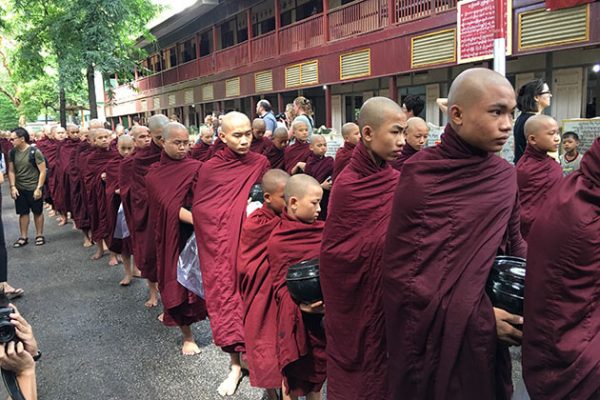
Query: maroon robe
96, 192
301, 339
170, 184
78, 200
537, 173
320, 168
125, 179
113, 203
114, 144
342, 157
217, 146
49, 150
275, 156
350, 270
219, 208
200, 151
453, 208
144, 250
56, 178
256, 290
295, 153
64, 158
261, 145
407, 152
561, 338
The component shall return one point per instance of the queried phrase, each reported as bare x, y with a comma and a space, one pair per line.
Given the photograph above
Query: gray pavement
97, 338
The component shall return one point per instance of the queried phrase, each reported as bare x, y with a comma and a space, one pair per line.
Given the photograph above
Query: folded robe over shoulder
170, 184
219, 211
96, 191
275, 157
65, 151
113, 203
561, 338
537, 173
217, 146
295, 153
200, 151
453, 208
144, 250
256, 289
342, 157
407, 152
49, 149
320, 168
261, 145
301, 339
125, 179
350, 268
79, 202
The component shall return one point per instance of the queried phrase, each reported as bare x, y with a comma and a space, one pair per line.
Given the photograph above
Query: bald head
470, 85
317, 139
273, 179
536, 124
172, 127
231, 119
96, 124
157, 123
417, 133
125, 139
348, 129
138, 130
280, 132
299, 185
259, 124
374, 112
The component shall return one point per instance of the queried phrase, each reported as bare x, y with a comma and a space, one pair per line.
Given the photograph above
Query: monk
561, 337
537, 172
320, 167
170, 184
78, 198
351, 256
260, 144
144, 249
200, 151
219, 207
276, 151
94, 181
121, 246
296, 154
351, 135
417, 133
217, 146
256, 289
301, 339
68, 140
455, 207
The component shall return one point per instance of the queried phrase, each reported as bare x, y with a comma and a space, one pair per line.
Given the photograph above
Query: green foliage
9, 115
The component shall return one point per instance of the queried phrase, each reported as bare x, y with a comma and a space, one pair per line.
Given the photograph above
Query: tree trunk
63, 107
92, 92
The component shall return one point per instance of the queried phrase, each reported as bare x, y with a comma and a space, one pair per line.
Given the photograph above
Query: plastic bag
188, 268
121, 229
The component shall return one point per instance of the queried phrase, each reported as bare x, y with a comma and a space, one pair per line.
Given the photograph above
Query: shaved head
138, 129
125, 139
259, 123
280, 132
374, 111
273, 179
542, 133
96, 124
470, 85
416, 123
157, 122
348, 129
318, 139
536, 124
417, 133
299, 185
232, 118
173, 127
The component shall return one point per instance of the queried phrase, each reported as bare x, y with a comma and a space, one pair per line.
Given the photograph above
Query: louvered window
306, 73
355, 64
263, 81
232, 87
208, 92
540, 28
433, 48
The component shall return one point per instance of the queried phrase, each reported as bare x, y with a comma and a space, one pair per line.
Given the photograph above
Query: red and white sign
477, 27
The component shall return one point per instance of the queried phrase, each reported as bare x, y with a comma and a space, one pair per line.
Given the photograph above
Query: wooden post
277, 25
214, 49
253, 105
326, 21
393, 88
328, 106
249, 28
391, 9
197, 39
280, 105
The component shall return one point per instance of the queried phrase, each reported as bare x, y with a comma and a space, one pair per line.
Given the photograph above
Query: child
571, 158
296, 155
276, 151
301, 338
321, 168
351, 135
260, 144
537, 172
256, 289
201, 150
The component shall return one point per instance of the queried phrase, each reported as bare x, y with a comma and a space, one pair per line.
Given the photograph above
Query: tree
9, 115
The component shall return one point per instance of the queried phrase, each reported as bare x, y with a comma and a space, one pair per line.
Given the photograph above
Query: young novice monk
561, 338
350, 269
121, 246
321, 168
220, 201
301, 339
256, 289
296, 155
571, 157
455, 206
276, 151
351, 135
170, 184
537, 172
260, 144
417, 133
201, 150
79, 205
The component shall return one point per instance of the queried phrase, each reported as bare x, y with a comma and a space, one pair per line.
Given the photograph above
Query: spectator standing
413, 106
532, 99
26, 175
264, 110
303, 112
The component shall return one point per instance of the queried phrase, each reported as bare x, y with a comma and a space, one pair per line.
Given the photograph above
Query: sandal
20, 242
40, 240
16, 293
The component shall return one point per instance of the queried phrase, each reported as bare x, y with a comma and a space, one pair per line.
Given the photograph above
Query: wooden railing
410, 10
356, 18
206, 65
302, 35
264, 47
189, 70
232, 57
170, 76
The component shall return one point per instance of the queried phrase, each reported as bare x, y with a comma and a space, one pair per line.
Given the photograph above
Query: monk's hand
103, 176
505, 328
314, 308
118, 191
326, 185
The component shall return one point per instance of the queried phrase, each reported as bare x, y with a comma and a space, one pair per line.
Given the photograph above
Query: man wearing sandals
26, 174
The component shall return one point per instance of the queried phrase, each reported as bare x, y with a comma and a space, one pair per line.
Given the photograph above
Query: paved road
98, 340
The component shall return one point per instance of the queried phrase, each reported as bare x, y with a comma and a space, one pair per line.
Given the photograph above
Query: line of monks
405, 250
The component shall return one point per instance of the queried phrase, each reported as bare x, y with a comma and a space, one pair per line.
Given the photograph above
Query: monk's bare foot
87, 243
125, 281
136, 272
62, 222
230, 384
151, 302
190, 348
97, 255
161, 317
113, 261
51, 213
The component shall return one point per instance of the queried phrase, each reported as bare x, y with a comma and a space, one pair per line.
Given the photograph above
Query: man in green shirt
26, 174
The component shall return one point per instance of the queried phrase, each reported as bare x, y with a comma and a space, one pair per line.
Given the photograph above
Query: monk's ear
531, 139
267, 197
455, 113
222, 136
293, 203
367, 134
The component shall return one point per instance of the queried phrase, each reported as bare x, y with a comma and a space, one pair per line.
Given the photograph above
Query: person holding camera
19, 351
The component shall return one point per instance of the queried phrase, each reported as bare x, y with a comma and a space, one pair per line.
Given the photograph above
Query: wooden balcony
356, 18
410, 10
232, 57
302, 35
264, 47
206, 65
188, 70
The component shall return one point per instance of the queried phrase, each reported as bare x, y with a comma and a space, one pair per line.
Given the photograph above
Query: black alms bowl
303, 282
506, 283
256, 193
